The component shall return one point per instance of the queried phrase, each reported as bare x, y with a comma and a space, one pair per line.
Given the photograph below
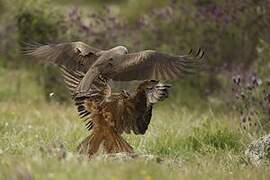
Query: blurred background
234, 34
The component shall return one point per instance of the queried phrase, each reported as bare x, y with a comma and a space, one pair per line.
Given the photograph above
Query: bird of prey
109, 114
87, 72
116, 63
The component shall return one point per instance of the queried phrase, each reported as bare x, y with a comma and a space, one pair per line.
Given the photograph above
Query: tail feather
112, 143
115, 144
90, 145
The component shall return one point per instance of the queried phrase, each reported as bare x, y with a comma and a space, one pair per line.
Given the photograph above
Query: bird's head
120, 50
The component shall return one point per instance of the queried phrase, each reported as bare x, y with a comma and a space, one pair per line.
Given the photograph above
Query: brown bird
87, 72
116, 63
110, 114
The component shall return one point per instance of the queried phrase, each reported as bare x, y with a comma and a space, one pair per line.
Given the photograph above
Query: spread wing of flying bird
87, 71
117, 63
72, 55
154, 65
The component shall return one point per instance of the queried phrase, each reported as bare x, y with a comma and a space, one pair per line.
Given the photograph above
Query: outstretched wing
151, 64
72, 55
134, 112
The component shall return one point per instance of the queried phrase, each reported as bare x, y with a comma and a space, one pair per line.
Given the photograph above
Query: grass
39, 138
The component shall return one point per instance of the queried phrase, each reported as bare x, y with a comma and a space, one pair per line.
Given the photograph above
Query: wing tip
198, 54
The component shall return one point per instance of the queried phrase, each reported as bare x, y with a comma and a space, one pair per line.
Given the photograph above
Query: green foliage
3, 62
53, 85
38, 24
207, 139
133, 9
262, 64
204, 139
2, 7
91, 2
19, 85
34, 26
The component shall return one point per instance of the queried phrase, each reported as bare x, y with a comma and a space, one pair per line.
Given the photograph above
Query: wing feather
151, 64
98, 89
170, 71
72, 55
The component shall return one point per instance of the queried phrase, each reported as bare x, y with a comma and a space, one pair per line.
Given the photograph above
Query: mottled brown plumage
109, 114
120, 113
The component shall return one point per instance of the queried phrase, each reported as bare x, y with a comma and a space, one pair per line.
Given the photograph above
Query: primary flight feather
116, 63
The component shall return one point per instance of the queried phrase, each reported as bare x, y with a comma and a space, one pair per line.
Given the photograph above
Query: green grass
193, 142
